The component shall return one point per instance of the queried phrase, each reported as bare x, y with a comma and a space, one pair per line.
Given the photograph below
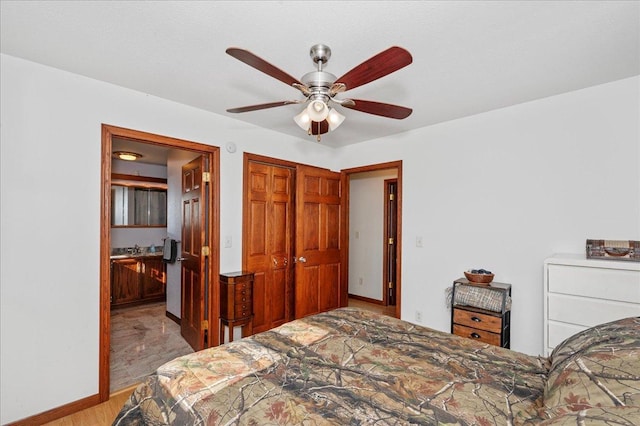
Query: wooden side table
236, 303
481, 324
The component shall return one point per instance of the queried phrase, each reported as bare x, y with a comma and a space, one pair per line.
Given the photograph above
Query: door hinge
206, 176
390, 240
205, 251
391, 197
390, 284
205, 324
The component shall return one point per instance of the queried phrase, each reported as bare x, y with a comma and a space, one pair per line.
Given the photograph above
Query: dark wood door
318, 240
193, 253
153, 278
267, 246
125, 281
391, 240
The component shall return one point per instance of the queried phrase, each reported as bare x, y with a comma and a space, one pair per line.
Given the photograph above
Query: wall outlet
227, 241
418, 241
360, 281
419, 316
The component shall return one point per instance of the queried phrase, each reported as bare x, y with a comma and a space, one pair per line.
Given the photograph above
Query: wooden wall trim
59, 412
173, 317
366, 299
122, 176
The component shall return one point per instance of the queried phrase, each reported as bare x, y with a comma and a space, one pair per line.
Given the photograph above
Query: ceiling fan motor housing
320, 53
318, 79
319, 82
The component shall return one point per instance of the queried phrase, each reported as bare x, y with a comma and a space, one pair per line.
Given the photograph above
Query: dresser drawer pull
476, 319
475, 335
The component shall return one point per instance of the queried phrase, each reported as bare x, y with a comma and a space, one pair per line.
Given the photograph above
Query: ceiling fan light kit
320, 87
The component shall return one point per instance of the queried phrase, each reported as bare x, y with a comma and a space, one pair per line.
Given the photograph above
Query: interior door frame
346, 176
213, 153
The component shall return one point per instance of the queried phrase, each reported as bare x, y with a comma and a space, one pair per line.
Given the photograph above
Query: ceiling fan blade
382, 64
262, 65
319, 127
262, 106
378, 108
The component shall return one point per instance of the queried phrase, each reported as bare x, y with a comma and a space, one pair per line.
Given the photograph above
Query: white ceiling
468, 57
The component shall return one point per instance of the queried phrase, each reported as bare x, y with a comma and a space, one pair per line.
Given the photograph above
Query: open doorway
373, 215
178, 152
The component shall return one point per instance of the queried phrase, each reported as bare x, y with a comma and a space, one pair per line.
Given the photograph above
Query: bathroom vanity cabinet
137, 280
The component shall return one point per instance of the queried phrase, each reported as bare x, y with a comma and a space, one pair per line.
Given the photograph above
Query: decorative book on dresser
580, 293
481, 312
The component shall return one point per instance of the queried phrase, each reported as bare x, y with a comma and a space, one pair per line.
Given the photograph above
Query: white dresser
580, 293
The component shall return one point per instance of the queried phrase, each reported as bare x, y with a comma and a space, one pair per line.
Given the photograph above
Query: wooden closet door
318, 268
268, 222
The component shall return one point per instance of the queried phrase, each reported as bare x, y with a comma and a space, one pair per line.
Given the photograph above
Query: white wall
50, 131
366, 232
550, 173
506, 189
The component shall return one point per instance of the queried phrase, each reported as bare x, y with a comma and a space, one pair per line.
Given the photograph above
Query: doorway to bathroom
177, 153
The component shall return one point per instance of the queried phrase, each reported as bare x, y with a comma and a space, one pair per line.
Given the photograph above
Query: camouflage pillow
597, 368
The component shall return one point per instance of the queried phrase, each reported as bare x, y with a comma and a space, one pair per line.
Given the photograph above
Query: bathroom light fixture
127, 156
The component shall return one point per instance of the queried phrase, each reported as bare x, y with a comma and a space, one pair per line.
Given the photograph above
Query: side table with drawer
236, 303
471, 318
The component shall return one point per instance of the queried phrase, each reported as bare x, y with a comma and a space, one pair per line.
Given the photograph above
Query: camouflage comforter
348, 367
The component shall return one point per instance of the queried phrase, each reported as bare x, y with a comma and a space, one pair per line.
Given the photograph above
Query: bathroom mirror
137, 206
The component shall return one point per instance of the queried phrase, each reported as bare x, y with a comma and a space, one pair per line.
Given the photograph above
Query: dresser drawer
476, 334
599, 283
240, 287
242, 310
477, 320
587, 311
243, 295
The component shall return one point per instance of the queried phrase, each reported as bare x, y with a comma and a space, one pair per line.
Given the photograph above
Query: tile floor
142, 339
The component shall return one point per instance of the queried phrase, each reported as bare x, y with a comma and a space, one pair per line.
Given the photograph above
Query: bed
354, 367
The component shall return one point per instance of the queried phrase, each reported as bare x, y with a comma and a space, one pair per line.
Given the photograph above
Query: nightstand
236, 303
481, 312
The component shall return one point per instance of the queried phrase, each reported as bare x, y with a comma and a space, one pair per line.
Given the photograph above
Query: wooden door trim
346, 175
213, 152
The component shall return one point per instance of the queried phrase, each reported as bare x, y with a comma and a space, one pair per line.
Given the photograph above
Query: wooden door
153, 278
268, 224
318, 240
193, 253
125, 281
391, 241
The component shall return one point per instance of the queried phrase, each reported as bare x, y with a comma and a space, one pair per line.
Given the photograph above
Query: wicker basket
479, 278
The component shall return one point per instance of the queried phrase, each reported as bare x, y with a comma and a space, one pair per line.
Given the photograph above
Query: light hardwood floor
100, 415
104, 414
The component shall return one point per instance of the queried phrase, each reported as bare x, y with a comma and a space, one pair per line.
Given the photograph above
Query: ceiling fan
320, 87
